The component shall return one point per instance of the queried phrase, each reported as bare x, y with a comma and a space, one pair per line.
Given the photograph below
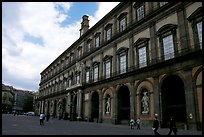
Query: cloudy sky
35, 34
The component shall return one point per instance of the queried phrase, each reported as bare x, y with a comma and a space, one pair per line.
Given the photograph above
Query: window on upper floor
107, 66
122, 57
87, 75
140, 11
97, 40
196, 22
122, 21
141, 48
167, 35
88, 45
78, 78
71, 57
96, 72
199, 31
162, 3
79, 51
108, 31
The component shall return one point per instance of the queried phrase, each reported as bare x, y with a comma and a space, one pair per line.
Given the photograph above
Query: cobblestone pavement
30, 125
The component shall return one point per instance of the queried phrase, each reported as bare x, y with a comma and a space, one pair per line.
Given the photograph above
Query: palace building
141, 59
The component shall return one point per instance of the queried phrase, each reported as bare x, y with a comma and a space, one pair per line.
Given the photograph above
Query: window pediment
121, 50
141, 41
107, 57
197, 13
166, 28
97, 34
108, 26
96, 63
122, 15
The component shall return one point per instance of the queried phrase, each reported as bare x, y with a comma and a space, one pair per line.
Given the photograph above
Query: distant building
7, 98
141, 59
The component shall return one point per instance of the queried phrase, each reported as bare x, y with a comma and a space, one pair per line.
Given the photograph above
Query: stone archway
123, 98
173, 101
95, 107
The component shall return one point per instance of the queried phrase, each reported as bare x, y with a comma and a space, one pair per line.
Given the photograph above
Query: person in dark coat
156, 125
172, 126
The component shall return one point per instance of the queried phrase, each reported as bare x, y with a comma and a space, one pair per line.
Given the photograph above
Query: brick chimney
84, 25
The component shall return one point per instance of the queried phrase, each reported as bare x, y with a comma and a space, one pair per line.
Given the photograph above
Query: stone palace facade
141, 59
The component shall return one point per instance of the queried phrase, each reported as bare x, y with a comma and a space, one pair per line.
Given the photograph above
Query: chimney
84, 25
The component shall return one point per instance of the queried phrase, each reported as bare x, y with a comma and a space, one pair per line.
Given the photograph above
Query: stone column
190, 100
157, 98
89, 107
79, 104
114, 58
100, 107
114, 106
101, 66
131, 51
182, 26
69, 105
153, 43
132, 100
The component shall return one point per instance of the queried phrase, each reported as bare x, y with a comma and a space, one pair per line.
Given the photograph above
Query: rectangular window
162, 3
70, 82
122, 63
108, 65
140, 13
108, 34
122, 24
78, 79
142, 57
87, 76
96, 73
88, 46
97, 41
199, 29
168, 47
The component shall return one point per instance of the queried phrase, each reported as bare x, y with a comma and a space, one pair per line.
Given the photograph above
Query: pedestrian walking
42, 118
138, 123
48, 117
155, 125
172, 126
132, 123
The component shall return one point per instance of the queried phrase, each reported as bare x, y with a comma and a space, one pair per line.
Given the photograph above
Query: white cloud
23, 61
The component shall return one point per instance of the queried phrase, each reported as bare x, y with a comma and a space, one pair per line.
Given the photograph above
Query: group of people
42, 118
155, 126
135, 123
172, 126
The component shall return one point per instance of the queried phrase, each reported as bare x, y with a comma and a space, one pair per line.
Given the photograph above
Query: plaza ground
30, 125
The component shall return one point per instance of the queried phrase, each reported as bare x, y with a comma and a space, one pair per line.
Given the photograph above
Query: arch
123, 107
94, 106
198, 96
144, 86
173, 100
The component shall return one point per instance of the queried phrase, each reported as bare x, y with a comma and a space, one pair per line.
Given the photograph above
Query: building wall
185, 67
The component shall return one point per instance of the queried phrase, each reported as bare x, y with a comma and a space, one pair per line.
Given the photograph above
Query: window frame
137, 11
165, 31
108, 29
107, 59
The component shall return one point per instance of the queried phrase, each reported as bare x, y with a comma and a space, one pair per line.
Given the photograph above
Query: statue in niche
108, 105
145, 103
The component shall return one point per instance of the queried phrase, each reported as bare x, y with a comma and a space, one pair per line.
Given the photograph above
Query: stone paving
30, 125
